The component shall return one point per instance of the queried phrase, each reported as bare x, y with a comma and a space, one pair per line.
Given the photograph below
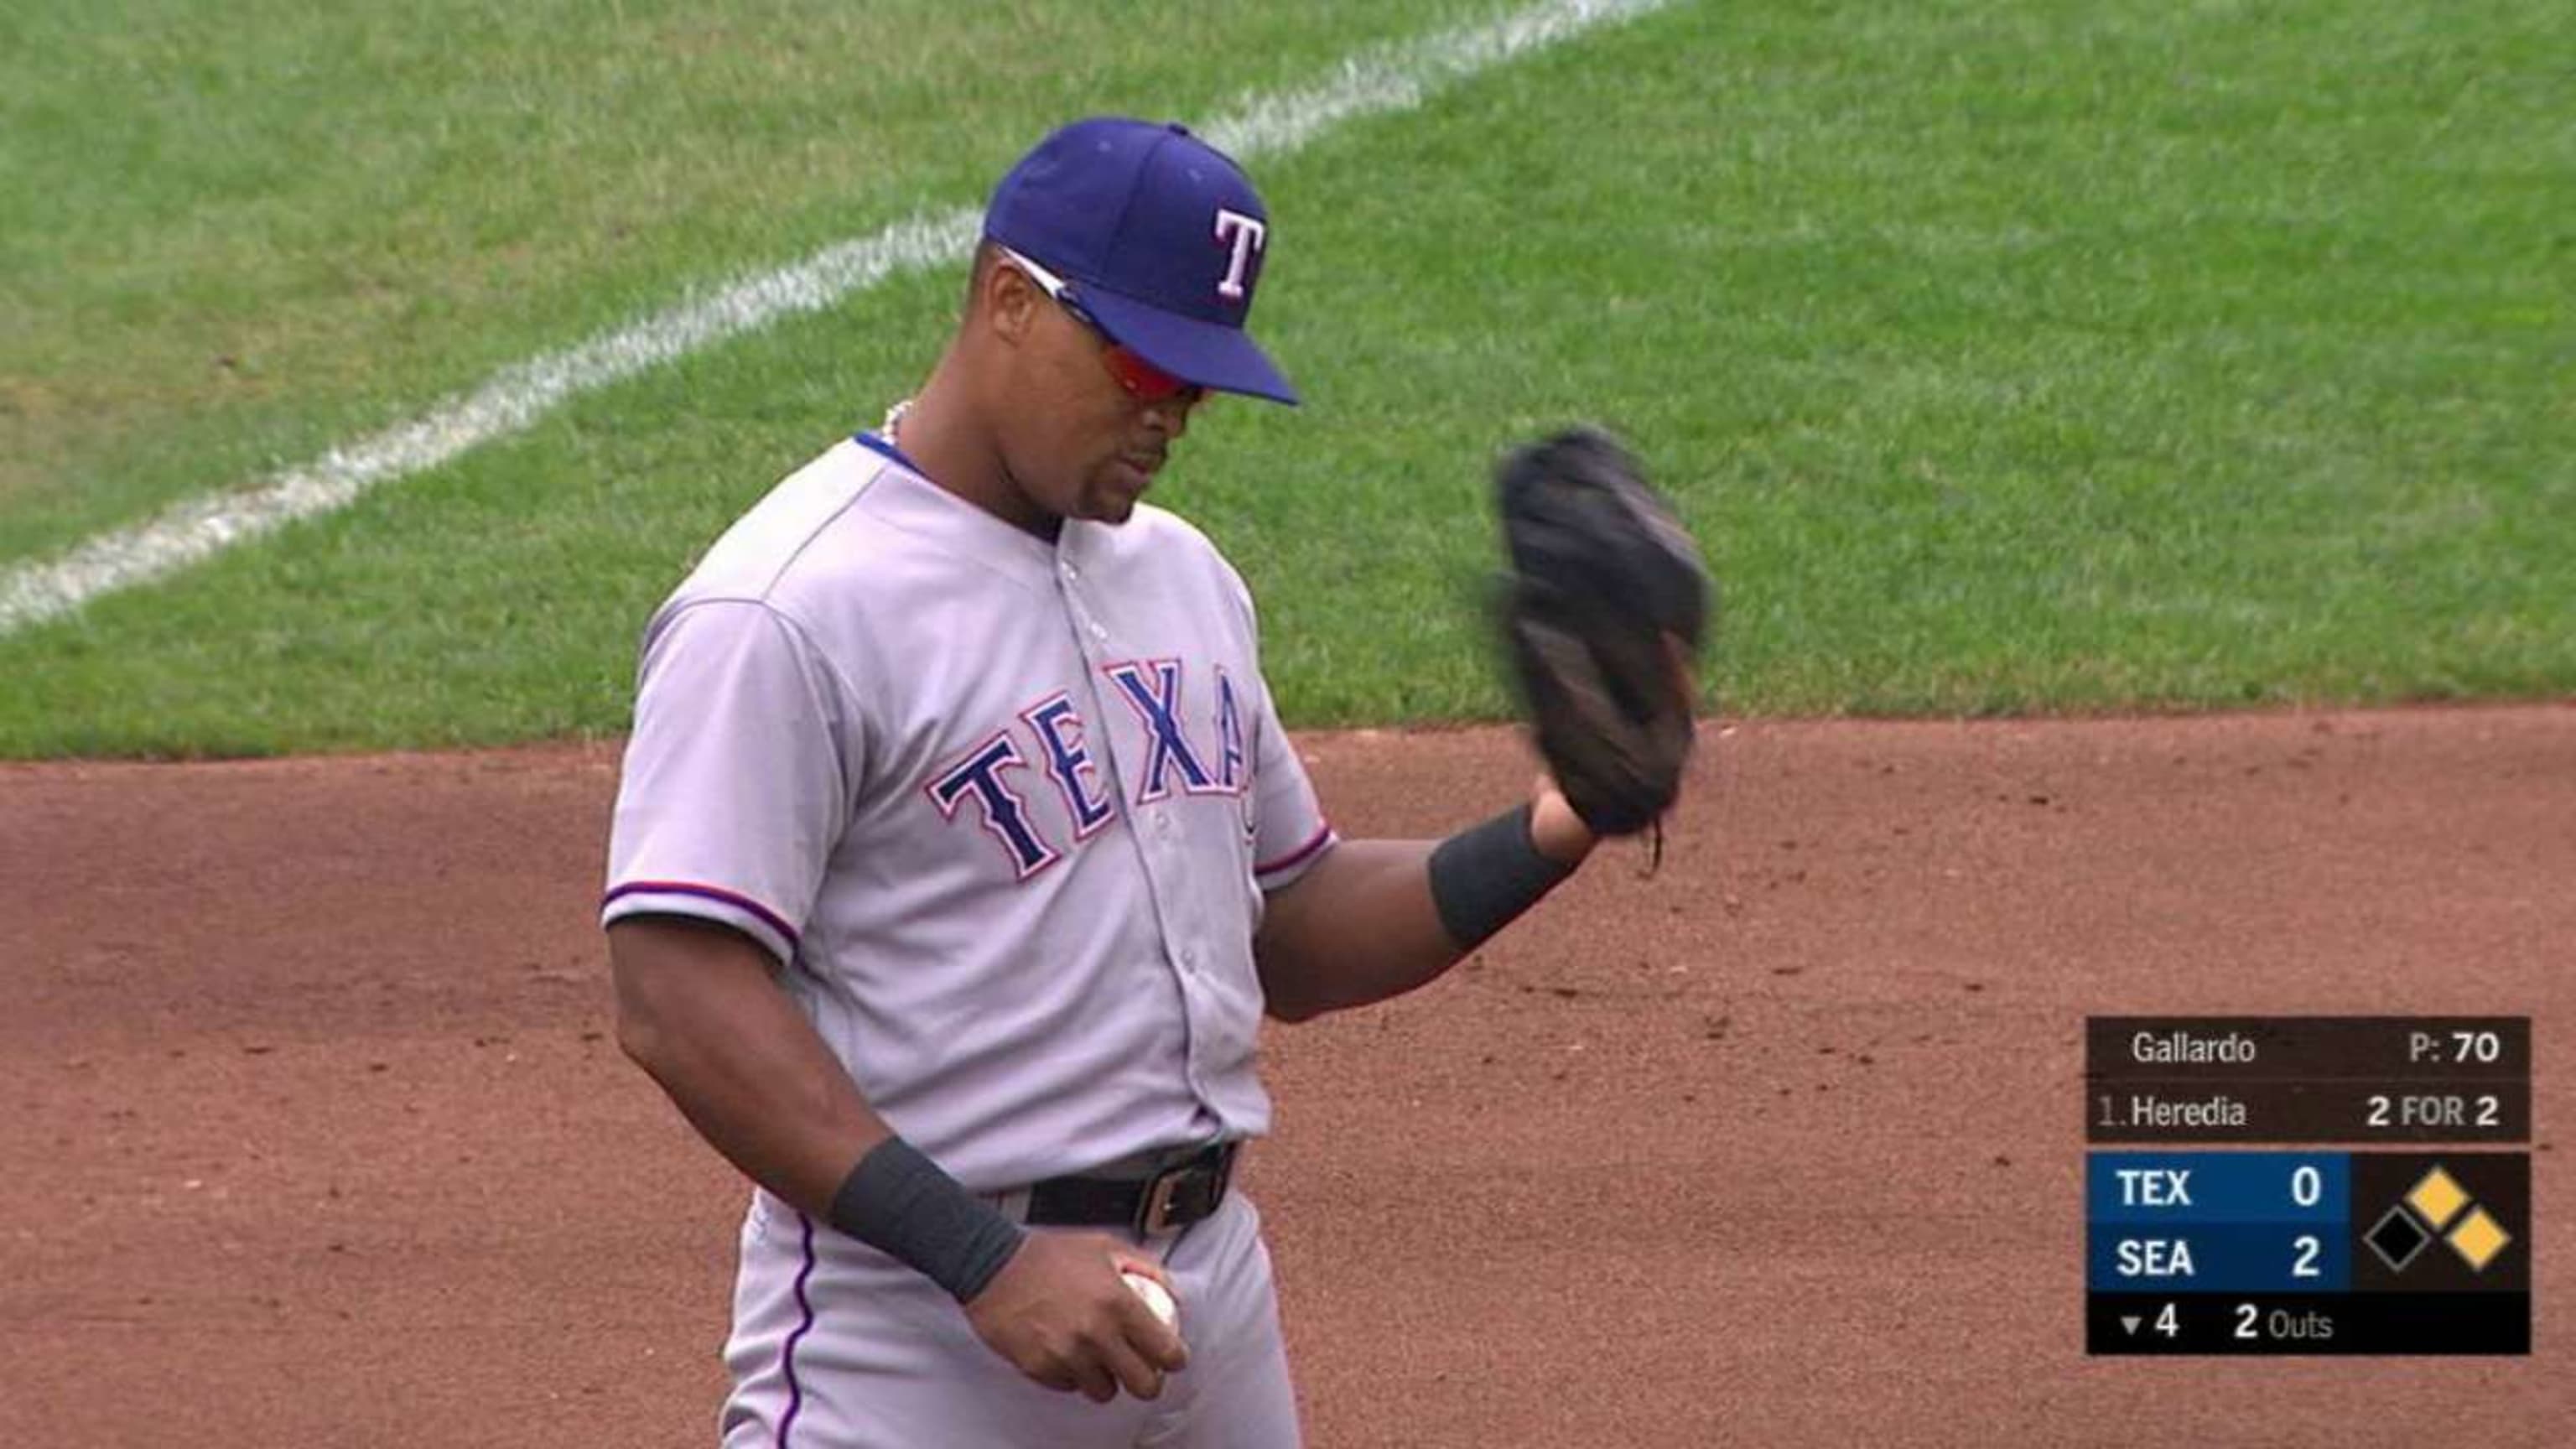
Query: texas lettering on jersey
1056, 739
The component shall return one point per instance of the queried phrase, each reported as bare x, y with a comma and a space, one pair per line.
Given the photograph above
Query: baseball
1157, 1297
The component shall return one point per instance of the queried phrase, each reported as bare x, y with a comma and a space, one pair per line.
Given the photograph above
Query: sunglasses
1143, 380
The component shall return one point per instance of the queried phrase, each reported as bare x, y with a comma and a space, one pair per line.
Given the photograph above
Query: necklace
894, 420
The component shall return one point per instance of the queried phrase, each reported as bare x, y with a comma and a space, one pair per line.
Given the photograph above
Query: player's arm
1374, 919
698, 1010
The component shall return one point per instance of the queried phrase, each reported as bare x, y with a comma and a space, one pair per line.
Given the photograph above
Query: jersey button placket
1069, 582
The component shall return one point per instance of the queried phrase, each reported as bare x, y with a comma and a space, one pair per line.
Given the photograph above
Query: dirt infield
315, 1135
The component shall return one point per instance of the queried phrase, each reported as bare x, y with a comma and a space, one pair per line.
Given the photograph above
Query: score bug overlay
2309, 1251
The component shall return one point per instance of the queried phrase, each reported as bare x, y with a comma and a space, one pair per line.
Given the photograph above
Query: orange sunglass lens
1148, 382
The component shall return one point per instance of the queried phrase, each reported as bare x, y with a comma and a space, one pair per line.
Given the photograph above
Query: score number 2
2305, 1265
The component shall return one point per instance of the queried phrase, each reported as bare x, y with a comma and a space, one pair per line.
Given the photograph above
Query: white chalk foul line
1393, 78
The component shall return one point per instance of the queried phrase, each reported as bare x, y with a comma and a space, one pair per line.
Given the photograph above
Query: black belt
1174, 1194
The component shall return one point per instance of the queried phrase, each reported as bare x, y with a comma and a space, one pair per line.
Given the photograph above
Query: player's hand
1061, 1314
1557, 832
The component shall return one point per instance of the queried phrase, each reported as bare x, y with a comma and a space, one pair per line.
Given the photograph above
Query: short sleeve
736, 785
1290, 832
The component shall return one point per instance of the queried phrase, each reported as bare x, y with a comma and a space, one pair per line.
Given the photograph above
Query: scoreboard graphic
2419, 1249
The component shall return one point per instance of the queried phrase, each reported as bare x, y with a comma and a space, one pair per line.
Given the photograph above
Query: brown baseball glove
1605, 602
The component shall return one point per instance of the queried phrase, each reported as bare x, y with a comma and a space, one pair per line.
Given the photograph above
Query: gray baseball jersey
1004, 809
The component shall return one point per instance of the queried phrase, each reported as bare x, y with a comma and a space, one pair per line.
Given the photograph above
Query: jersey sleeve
737, 784
1290, 832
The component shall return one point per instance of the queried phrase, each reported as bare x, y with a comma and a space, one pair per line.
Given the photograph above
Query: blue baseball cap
1159, 237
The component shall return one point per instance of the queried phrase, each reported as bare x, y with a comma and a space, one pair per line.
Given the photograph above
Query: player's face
1098, 423
1126, 432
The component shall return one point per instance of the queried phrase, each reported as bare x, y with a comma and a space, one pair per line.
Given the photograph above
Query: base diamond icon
2397, 1238
2478, 1239
2438, 1198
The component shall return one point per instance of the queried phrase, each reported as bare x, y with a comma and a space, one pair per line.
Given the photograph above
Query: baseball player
959, 853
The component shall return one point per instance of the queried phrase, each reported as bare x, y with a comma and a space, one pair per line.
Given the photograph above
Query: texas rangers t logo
1246, 234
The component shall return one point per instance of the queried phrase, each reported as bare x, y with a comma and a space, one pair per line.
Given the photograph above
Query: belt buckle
1154, 1211
1157, 1209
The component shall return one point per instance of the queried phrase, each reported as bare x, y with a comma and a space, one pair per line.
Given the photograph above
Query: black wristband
1483, 877
900, 1201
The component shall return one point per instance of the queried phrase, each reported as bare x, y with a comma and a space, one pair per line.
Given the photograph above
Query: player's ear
1007, 302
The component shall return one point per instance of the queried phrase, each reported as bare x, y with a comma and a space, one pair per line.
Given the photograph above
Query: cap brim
1210, 354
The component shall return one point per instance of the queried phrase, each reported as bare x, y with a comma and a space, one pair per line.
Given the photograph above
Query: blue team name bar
2190, 1189
2226, 1258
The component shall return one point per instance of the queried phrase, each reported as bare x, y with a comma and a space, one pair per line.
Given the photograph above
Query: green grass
2050, 357
237, 234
